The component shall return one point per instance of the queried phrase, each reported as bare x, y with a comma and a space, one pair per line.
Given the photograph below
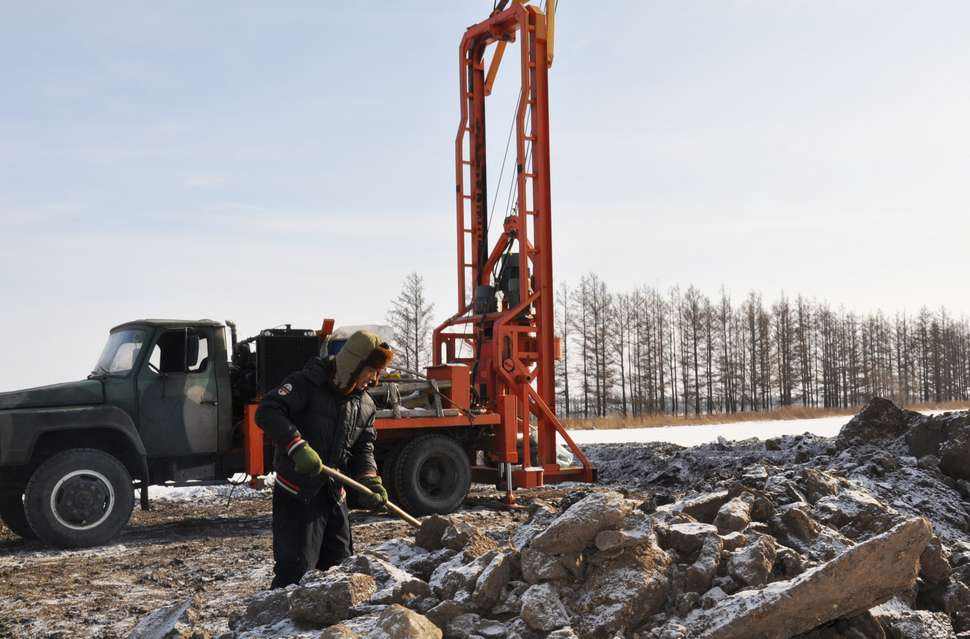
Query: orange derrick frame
506, 383
514, 349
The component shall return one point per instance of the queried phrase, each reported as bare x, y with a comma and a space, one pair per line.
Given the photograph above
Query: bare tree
410, 317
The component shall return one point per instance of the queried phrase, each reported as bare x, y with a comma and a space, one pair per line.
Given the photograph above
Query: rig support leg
509, 489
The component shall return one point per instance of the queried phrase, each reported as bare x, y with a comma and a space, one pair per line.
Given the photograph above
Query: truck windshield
120, 353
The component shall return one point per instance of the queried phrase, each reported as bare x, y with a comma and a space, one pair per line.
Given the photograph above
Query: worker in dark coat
322, 415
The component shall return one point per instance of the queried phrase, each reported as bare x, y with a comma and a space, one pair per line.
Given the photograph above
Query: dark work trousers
306, 536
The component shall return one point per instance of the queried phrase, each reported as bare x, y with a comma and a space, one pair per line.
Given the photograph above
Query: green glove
307, 461
377, 500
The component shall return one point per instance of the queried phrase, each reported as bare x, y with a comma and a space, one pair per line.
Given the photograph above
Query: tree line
648, 352
680, 352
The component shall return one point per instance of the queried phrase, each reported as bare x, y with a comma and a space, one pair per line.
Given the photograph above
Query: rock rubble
795, 537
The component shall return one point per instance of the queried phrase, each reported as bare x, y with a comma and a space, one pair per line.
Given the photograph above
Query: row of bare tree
681, 352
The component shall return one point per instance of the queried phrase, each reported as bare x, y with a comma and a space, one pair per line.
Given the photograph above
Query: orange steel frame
512, 350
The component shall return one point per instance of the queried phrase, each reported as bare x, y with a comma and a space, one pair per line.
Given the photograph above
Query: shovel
394, 508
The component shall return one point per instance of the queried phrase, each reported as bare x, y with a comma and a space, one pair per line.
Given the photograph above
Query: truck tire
79, 497
432, 475
12, 514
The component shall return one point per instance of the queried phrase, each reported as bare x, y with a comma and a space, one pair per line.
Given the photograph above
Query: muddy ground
174, 550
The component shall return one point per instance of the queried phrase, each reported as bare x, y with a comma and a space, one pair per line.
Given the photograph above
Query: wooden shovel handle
394, 508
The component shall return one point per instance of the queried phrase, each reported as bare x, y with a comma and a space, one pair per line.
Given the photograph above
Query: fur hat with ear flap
361, 349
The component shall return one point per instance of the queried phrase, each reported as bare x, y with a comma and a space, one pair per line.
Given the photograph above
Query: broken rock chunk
735, 515
429, 534
685, 538
899, 621
577, 527
864, 576
397, 622
752, 564
702, 507
266, 607
489, 585
542, 609
622, 590
700, 575
393, 584
398, 552
325, 598
465, 537
423, 565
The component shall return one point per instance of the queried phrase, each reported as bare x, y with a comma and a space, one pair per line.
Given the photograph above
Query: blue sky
283, 162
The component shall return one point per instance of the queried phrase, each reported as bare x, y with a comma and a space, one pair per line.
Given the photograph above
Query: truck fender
20, 430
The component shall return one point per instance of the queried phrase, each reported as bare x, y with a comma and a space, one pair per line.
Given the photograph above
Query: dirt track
175, 550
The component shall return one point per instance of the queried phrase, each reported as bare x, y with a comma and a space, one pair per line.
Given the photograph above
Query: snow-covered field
707, 433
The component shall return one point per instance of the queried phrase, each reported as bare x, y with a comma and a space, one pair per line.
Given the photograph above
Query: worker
322, 415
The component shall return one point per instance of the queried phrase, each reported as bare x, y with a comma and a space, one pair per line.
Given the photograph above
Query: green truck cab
157, 408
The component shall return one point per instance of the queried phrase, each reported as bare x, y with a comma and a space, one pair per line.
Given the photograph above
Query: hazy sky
282, 163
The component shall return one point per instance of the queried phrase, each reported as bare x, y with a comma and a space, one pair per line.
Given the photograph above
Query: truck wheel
80, 497
432, 475
12, 514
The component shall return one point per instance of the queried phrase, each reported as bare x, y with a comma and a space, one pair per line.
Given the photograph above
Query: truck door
178, 395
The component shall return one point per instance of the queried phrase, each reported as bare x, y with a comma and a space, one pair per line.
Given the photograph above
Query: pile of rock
771, 556
813, 538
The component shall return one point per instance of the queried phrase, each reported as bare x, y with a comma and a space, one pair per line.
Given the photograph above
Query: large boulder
325, 598
622, 590
862, 577
577, 527
879, 420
